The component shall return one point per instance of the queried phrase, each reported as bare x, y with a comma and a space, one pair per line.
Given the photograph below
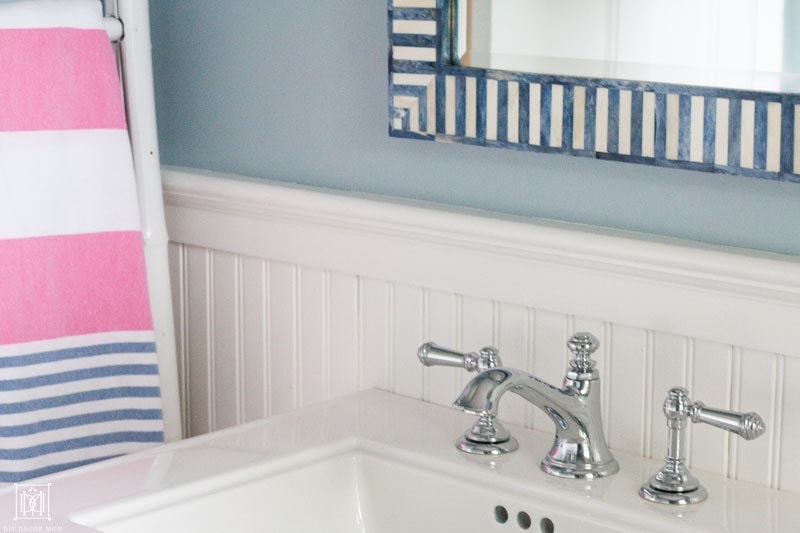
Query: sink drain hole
500, 514
524, 520
546, 526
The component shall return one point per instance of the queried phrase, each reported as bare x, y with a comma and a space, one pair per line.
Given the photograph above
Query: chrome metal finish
746, 425
487, 436
674, 484
579, 448
431, 354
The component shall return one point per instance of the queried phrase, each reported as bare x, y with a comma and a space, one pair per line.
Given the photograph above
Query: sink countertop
383, 421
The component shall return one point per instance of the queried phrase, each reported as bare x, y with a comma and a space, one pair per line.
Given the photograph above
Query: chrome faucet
579, 449
674, 483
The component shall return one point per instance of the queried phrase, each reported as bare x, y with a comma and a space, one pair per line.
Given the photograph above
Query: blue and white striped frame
746, 133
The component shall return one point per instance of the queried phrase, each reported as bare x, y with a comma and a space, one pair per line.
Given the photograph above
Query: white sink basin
377, 462
356, 490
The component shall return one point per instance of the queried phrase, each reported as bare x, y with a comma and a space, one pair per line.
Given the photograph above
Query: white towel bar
114, 28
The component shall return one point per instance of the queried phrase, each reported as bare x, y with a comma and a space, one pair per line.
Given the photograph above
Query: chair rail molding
719, 294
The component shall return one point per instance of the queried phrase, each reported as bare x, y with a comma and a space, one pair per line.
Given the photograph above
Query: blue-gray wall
297, 91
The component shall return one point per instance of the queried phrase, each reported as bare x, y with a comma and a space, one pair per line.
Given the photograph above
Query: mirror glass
736, 44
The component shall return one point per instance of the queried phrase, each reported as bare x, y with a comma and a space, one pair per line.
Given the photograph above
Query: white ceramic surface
375, 462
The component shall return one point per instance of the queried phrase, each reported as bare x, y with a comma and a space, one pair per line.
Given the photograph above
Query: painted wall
298, 92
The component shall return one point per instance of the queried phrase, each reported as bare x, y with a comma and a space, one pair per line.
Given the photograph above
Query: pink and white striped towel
78, 371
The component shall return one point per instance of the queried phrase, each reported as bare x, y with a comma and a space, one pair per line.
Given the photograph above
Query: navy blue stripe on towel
80, 420
79, 397
80, 442
75, 353
78, 375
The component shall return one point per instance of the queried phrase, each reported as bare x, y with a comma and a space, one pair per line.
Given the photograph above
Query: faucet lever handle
431, 354
674, 483
487, 436
746, 425
678, 406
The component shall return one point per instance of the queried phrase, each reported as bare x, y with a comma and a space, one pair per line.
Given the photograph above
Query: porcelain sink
375, 462
363, 489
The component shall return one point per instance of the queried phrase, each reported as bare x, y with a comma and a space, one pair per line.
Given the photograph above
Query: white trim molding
718, 294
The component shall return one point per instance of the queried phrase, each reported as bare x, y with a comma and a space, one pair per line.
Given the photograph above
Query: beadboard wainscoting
286, 295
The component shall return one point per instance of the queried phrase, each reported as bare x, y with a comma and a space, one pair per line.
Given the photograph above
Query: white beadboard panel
669, 370
201, 394
476, 330
226, 332
626, 389
283, 325
343, 334
513, 341
477, 324
406, 336
375, 334
789, 459
254, 336
756, 391
710, 382
443, 325
266, 323
550, 355
312, 336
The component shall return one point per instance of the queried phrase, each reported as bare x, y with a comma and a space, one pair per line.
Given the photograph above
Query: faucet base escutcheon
487, 437
578, 469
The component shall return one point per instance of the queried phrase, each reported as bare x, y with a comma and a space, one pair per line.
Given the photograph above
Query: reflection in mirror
739, 44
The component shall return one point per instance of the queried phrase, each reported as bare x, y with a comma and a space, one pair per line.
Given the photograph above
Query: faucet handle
487, 436
583, 345
746, 425
674, 483
679, 406
431, 354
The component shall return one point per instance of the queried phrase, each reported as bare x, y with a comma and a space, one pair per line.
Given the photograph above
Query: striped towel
78, 371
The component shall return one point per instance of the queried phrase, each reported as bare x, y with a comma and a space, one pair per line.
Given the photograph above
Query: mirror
740, 44
578, 103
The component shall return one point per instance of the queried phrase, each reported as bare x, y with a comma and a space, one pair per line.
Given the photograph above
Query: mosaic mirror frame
730, 131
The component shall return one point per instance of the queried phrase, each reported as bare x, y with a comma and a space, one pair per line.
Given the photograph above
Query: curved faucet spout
579, 449
482, 394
